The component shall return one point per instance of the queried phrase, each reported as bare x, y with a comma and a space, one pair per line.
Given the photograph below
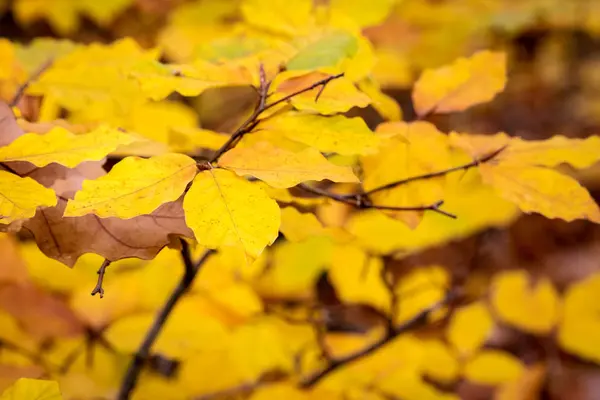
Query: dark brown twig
437, 174
101, 271
25, 85
143, 353
417, 321
262, 106
362, 201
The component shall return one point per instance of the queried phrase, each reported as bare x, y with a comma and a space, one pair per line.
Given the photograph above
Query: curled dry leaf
67, 238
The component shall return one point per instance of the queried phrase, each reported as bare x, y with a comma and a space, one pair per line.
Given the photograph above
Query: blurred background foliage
232, 338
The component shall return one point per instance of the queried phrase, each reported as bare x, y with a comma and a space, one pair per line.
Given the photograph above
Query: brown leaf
67, 238
39, 313
9, 129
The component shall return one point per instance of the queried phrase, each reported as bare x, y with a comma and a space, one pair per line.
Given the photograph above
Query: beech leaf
67, 238
32, 389
282, 168
464, 83
337, 134
223, 209
21, 197
135, 186
63, 147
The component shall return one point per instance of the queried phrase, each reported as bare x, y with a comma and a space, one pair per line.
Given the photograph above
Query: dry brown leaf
67, 238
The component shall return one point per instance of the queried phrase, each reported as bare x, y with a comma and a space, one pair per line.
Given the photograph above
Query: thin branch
417, 321
361, 201
263, 92
99, 289
465, 167
25, 85
143, 353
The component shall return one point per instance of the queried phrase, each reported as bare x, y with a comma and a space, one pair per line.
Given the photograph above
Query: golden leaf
534, 309
466, 82
469, 328
338, 134
135, 186
63, 147
579, 328
493, 367
225, 210
32, 389
407, 150
21, 197
281, 168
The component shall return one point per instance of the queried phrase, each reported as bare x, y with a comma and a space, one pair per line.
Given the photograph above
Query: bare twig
143, 353
99, 289
362, 201
417, 321
437, 174
25, 85
262, 106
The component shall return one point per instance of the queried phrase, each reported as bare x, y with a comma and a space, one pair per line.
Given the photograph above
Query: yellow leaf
190, 328
357, 277
580, 153
157, 81
579, 328
466, 82
96, 76
440, 362
63, 15
338, 96
385, 105
295, 268
493, 367
420, 289
297, 226
542, 190
134, 186
20, 197
32, 389
225, 210
281, 168
63, 147
407, 150
278, 16
534, 309
361, 12
469, 328
519, 172
338, 134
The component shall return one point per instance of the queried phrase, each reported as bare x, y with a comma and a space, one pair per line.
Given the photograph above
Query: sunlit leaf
135, 186
281, 168
225, 210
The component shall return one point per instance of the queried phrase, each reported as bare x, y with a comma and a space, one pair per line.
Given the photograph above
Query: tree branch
143, 353
360, 200
262, 106
417, 321
465, 167
99, 289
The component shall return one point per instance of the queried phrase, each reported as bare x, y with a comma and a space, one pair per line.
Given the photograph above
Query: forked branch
416, 322
263, 92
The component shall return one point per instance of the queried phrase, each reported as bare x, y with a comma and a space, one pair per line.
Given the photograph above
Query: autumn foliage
242, 195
